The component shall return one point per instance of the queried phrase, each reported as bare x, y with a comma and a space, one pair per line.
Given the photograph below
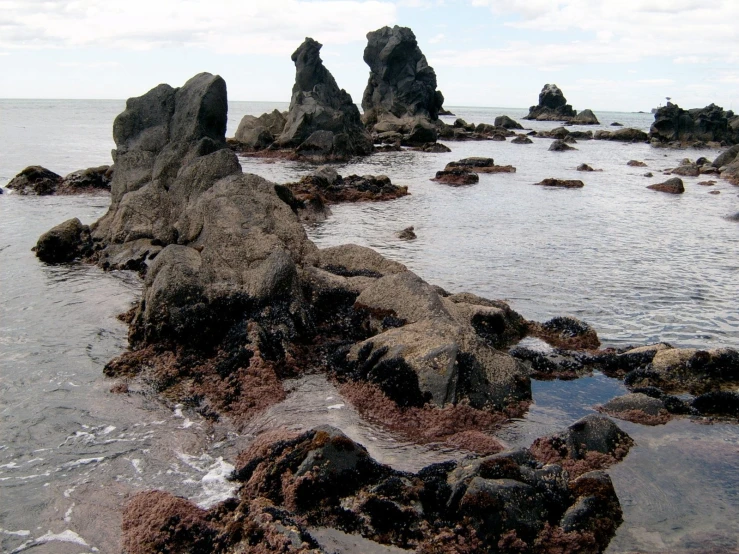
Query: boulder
552, 106
623, 135
637, 407
636, 163
258, 133
688, 170
325, 186
562, 183
407, 234
479, 165
585, 117
322, 121
65, 242
87, 180
672, 186
522, 139
726, 157
35, 180
584, 167
560, 146
507, 123
709, 124
456, 177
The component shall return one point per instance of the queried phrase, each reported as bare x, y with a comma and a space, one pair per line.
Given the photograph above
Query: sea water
639, 266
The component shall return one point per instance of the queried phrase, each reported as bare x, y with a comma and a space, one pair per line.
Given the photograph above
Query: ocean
637, 265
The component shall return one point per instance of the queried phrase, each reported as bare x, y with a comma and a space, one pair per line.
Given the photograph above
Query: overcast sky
604, 54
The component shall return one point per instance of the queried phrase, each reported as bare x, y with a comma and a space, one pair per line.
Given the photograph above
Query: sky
616, 55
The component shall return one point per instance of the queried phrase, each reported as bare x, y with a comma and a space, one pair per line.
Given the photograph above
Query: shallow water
638, 265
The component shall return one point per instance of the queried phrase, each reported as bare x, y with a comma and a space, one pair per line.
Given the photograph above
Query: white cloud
656, 81
437, 39
89, 65
227, 26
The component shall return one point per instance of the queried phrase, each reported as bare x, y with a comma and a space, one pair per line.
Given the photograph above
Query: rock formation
480, 165
673, 125
727, 163
39, 181
562, 183
552, 106
627, 134
401, 93
322, 121
258, 133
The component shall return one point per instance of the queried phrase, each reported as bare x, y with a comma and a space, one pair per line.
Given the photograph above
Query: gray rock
322, 120
84, 180
552, 106
64, 243
634, 401
673, 124
257, 133
672, 186
560, 146
522, 139
585, 117
35, 180
507, 123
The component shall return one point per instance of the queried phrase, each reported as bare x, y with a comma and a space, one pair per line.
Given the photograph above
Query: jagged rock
507, 123
563, 183
65, 242
522, 139
322, 121
456, 177
672, 186
552, 106
87, 180
479, 165
35, 180
560, 146
401, 91
585, 117
258, 133
709, 124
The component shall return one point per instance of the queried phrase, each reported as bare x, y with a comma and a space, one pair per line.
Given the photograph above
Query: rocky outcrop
672, 186
522, 139
35, 180
479, 165
461, 131
39, 181
65, 242
585, 117
293, 486
560, 146
627, 134
322, 121
561, 183
507, 123
456, 177
258, 133
674, 125
727, 163
552, 106
401, 93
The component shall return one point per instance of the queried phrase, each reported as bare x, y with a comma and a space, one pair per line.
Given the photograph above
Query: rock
616, 124
407, 234
522, 139
64, 243
352, 260
584, 167
624, 135
690, 170
433, 147
322, 121
462, 124
726, 157
325, 186
479, 165
591, 443
401, 82
507, 123
648, 174
87, 180
567, 332
35, 180
258, 133
636, 163
714, 192
718, 403
673, 124
731, 172
697, 371
443, 111
563, 183
637, 408
456, 177
672, 186
581, 135
585, 117
552, 106
707, 183
560, 146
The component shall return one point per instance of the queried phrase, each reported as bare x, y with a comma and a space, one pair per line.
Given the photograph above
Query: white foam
82, 462
64, 536
216, 486
19, 533
136, 463
335, 407
68, 513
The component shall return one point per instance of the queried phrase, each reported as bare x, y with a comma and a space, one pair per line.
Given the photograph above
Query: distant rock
401, 90
687, 170
673, 124
552, 106
563, 183
258, 133
672, 186
585, 117
35, 180
707, 183
560, 146
617, 124
479, 165
586, 167
636, 163
432, 147
93, 179
623, 135
726, 157
323, 121
507, 123
407, 234
522, 139
456, 177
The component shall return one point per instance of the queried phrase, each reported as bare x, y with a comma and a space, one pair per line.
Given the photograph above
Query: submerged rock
322, 121
622, 135
562, 183
456, 177
672, 186
522, 139
560, 146
479, 165
407, 234
638, 408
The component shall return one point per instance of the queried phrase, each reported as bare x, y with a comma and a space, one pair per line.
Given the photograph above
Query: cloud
656, 81
437, 39
89, 65
225, 26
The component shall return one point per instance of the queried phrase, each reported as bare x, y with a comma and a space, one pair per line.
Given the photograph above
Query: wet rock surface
39, 181
456, 177
294, 484
622, 135
35, 180
65, 242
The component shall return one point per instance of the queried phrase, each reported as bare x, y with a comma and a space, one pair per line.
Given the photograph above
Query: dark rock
562, 183
407, 234
522, 139
462, 124
616, 124
567, 332
649, 174
585, 117
65, 242
672, 186
322, 121
560, 146
581, 135
479, 165
433, 147
673, 124
87, 180
552, 106
584, 167
456, 177
718, 403
35, 180
623, 135
726, 157
258, 133
637, 408
507, 123
689, 170
636, 163
706, 183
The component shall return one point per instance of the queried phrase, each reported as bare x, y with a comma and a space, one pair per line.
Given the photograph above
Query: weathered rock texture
39, 181
553, 106
401, 93
675, 125
323, 120
258, 133
292, 485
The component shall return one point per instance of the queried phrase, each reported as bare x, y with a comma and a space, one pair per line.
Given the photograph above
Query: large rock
585, 117
91, 179
401, 90
726, 157
35, 180
622, 135
672, 186
709, 124
65, 242
258, 133
507, 123
552, 106
323, 120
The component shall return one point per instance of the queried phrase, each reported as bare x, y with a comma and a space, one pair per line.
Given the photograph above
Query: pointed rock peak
309, 68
